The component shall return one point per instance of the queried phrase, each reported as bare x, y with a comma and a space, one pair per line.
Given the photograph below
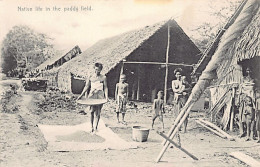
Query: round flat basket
91, 102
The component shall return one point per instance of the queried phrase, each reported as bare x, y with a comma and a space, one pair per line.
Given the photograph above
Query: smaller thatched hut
58, 61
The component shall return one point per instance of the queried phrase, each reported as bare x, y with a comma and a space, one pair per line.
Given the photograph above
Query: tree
219, 14
24, 48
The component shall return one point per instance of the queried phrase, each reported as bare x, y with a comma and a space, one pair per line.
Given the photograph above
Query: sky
107, 17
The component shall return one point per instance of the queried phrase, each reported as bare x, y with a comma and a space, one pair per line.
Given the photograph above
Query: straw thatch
245, 47
58, 60
110, 52
248, 45
224, 68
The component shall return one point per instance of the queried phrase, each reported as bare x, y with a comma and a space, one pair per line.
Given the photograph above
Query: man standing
99, 90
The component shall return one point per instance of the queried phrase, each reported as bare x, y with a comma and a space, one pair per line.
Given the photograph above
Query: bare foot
258, 141
247, 139
242, 135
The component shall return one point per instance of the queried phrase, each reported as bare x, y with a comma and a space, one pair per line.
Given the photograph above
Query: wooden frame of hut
145, 56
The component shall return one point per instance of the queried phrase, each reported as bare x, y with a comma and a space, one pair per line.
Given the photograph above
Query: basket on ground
140, 134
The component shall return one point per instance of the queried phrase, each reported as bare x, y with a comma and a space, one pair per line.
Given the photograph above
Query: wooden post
175, 128
217, 128
177, 146
138, 83
212, 130
245, 158
166, 66
122, 69
232, 109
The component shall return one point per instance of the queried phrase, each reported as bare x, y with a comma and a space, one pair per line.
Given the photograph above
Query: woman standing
181, 89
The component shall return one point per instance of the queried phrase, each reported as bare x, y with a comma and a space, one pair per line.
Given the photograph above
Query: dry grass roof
248, 46
110, 51
52, 60
245, 47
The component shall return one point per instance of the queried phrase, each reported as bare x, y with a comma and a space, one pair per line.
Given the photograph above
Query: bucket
140, 134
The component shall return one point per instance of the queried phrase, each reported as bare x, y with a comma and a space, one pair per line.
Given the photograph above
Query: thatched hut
59, 60
239, 47
50, 68
143, 53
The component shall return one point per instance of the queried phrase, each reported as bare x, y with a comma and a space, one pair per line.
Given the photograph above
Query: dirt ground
23, 144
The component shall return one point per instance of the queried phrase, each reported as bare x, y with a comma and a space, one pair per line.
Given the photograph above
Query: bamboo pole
245, 158
122, 69
166, 68
214, 45
160, 63
138, 84
217, 128
210, 71
232, 110
177, 120
212, 130
175, 129
177, 146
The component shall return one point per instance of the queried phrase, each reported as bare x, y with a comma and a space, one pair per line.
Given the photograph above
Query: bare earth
22, 143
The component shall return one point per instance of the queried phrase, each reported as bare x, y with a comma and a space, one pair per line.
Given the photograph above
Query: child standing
249, 113
158, 107
121, 96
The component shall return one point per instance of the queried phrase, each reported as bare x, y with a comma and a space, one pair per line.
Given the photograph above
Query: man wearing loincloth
98, 90
121, 96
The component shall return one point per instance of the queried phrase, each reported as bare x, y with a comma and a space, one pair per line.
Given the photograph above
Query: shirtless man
121, 96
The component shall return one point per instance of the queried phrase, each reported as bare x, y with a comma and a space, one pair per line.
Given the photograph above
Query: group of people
249, 113
181, 89
249, 109
99, 90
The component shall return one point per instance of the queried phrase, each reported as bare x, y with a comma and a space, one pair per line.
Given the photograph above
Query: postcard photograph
111, 83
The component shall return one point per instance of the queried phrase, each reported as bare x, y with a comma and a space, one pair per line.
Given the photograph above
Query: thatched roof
58, 57
50, 61
248, 46
145, 44
110, 51
245, 47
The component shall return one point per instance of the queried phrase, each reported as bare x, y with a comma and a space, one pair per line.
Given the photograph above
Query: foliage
219, 13
8, 101
24, 48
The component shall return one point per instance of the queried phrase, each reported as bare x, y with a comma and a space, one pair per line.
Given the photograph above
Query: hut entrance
77, 84
254, 65
145, 80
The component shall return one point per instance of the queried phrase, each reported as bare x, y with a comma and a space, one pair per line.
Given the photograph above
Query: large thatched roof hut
239, 47
146, 48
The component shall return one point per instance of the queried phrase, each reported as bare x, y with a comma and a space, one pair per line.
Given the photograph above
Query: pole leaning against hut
166, 66
210, 72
